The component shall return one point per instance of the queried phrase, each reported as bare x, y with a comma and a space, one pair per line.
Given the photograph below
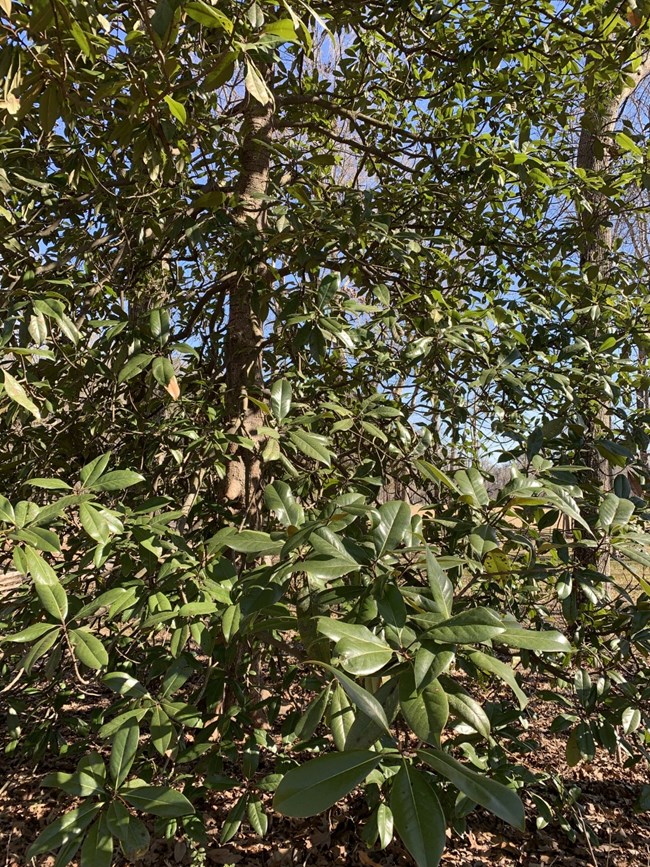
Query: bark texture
244, 337
593, 156
601, 112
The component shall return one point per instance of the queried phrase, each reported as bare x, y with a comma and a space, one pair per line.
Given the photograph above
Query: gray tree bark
244, 335
601, 113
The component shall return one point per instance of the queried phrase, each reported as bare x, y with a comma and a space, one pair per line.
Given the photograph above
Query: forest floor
606, 803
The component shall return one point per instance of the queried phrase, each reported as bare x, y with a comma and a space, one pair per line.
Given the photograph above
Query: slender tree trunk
244, 336
242, 484
601, 113
593, 156
643, 404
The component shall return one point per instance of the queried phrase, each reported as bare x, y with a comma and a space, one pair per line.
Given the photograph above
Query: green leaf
428, 664
67, 852
365, 701
163, 371
123, 751
580, 745
49, 484
117, 480
572, 750
81, 38
159, 323
284, 29
64, 829
219, 74
614, 512
631, 719
49, 589
637, 555
583, 686
628, 144
88, 648
325, 542
441, 587
384, 825
130, 831
394, 521
492, 795
208, 16
483, 539
281, 394
312, 445
44, 540
425, 710
433, 474
253, 542
363, 657
392, 607
92, 767
39, 649
31, 633
233, 819
502, 670
327, 567
272, 451
468, 627
92, 471
566, 504
196, 609
257, 818
88, 779
419, 348
544, 641
162, 18
94, 523
374, 431
124, 684
17, 393
136, 364
281, 501
114, 601
230, 620
467, 709
68, 327
162, 730
471, 486
256, 85
158, 800
177, 110
97, 849
365, 731
118, 722
381, 293
320, 783
337, 629
418, 816
340, 717
6, 511
310, 720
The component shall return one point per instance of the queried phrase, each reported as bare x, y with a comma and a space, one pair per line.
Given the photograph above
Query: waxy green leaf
318, 784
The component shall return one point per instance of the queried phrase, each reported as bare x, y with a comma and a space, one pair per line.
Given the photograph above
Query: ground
608, 795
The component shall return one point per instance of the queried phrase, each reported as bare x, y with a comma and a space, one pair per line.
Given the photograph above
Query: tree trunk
244, 335
242, 484
592, 156
643, 405
601, 113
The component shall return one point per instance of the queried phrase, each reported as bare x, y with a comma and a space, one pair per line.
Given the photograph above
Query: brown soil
608, 795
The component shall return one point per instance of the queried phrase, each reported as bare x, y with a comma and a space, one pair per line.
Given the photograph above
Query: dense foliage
271, 274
